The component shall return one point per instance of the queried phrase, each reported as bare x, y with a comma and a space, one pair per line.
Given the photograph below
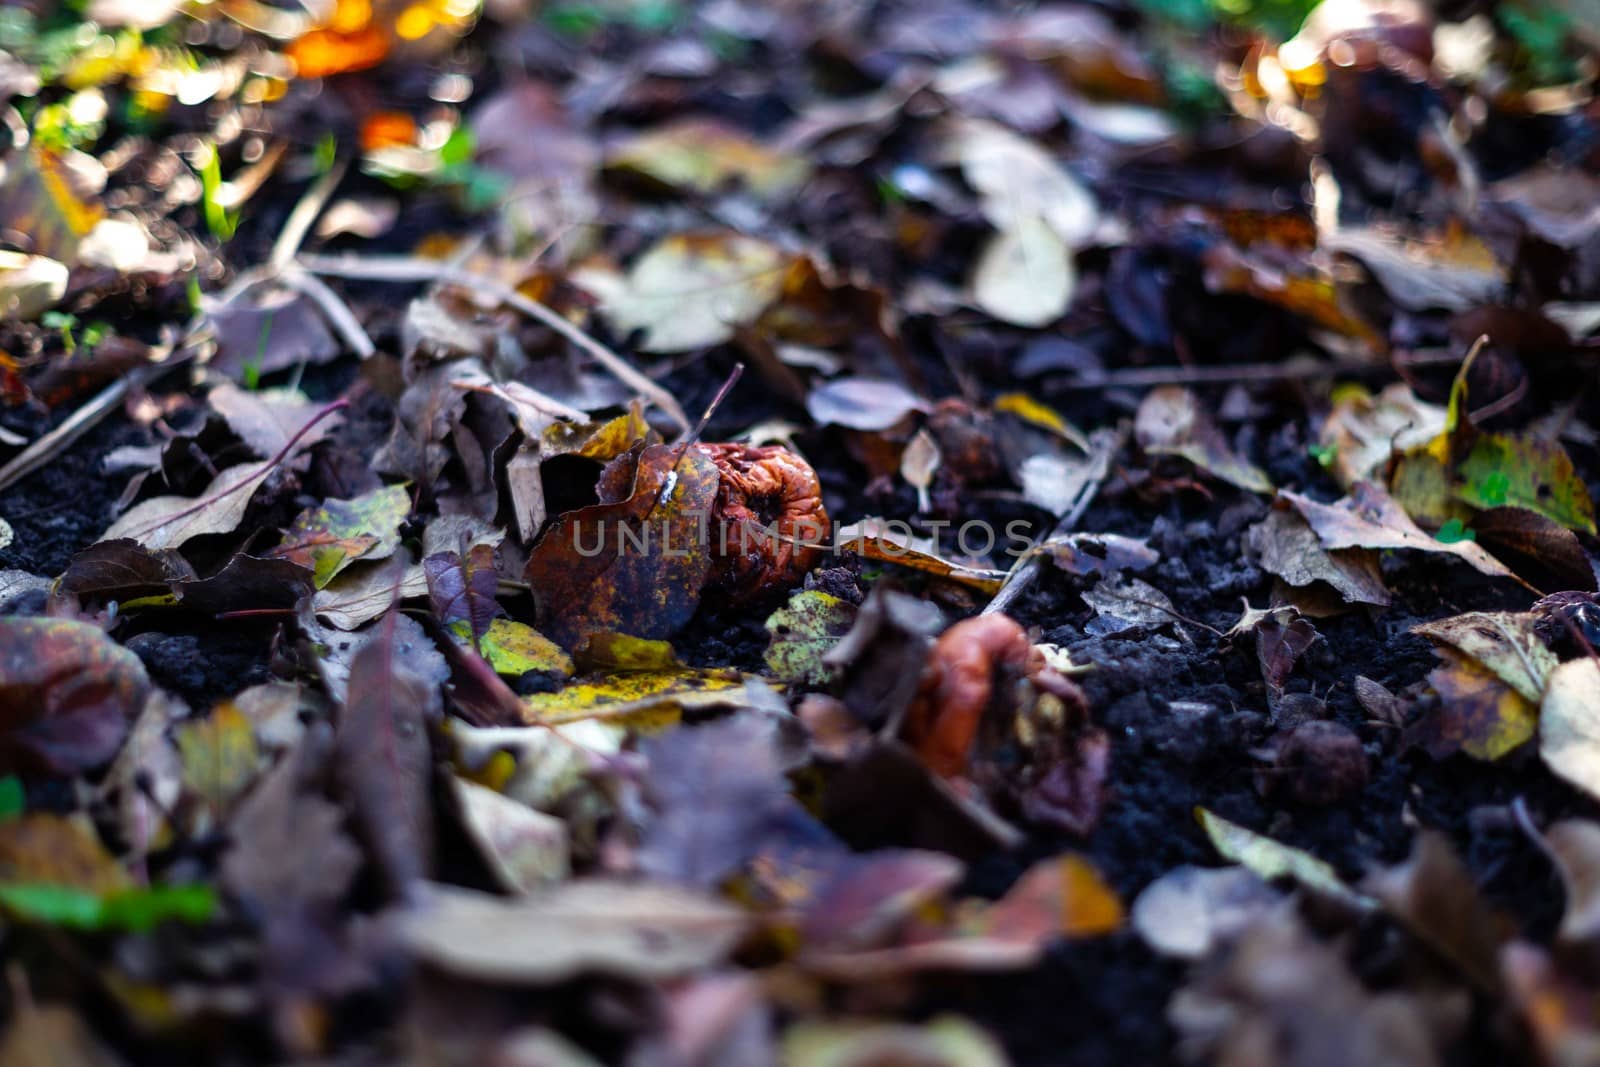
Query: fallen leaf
1576, 847
635, 931
1569, 724
1369, 518
802, 632
691, 291
1024, 275
718, 792
705, 155
268, 419
1271, 860
877, 539
1018, 181
1170, 421
525, 849
171, 521
868, 404
1502, 642
635, 563
514, 648
67, 694
220, 757
1088, 553
384, 762
362, 593
59, 851
1434, 896
462, 589
1285, 544
1189, 911
29, 285
1364, 431
329, 537
946, 1041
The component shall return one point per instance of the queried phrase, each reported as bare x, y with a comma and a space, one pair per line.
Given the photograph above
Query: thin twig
1148, 377
333, 306
411, 269
1104, 445
78, 423
305, 212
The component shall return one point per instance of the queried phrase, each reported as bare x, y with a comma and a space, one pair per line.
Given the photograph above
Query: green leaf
1525, 472
133, 910
12, 798
1455, 530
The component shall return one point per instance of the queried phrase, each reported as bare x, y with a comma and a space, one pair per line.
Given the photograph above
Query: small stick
304, 214
337, 311
1104, 445
77, 424
1146, 377
411, 269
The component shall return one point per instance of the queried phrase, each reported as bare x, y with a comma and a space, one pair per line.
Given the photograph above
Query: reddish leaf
384, 761
67, 694
636, 562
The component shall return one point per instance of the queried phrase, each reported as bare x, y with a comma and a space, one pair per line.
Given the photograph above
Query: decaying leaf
718, 791
328, 538
1363, 431
462, 588
170, 521
514, 648
1085, 553
879, 540
636, 562
705, 155
1504, 642
948, 1041
1171, 421
803, 631
1024, 275
1189, 911
1479, 713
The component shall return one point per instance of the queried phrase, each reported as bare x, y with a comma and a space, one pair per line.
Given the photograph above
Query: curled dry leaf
1170, 421
385, 765
525, 849
1284, 544
867, 404
893, 542
1086, 553
1370, 518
